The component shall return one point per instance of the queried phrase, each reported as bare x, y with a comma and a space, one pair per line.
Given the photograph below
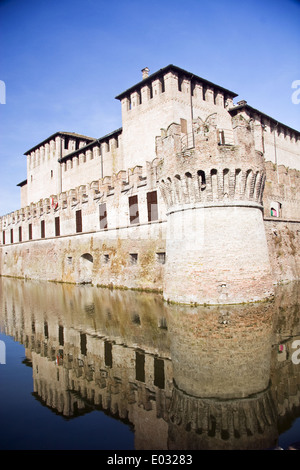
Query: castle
194, 196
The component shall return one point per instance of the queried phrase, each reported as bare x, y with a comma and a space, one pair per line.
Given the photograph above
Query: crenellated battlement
88, 196
207, 171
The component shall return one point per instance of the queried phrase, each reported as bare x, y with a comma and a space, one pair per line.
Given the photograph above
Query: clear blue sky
64, 61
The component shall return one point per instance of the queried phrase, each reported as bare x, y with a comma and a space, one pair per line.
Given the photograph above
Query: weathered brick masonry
194, 196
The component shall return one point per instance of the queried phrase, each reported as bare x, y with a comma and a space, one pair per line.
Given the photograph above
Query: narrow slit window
57, 227
78, 221
20, 234
11, 236
61, 335
42, 229
30, 231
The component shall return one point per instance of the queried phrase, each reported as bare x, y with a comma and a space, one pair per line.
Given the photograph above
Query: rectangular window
78, 221
134, 210
57, 227
133, 258
20, 234
152, 206
140, 366
11, 235
221, 137
159, 373
103, 216
83, 344
108, 359
180, 81
61, 335
30, 231
46, 331
161, 257
42, 229
3, 238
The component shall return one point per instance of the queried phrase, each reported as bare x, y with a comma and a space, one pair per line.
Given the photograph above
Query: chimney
145, 72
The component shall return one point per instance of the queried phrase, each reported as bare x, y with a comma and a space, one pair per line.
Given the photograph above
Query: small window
133, 258
106, 259
134, 210
180, 81
11, 235
136, 319
42, 229
276, 208
221, 137
3, 238
163, 323
161, 258
69, 260
20, 234
51, 173
103, 216
78, 221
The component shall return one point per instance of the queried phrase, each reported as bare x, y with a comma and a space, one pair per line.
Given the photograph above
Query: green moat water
91, 368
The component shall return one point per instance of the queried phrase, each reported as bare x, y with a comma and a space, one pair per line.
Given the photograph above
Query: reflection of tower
221, 362
216, 244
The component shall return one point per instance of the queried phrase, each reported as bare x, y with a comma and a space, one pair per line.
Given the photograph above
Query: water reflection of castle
182, 378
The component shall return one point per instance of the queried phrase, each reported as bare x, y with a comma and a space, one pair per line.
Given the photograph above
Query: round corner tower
216, 244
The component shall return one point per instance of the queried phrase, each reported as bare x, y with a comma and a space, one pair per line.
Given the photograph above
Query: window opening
152, 206
42, 229
78, 221
140, 366
103, 216
57, 226
134, 210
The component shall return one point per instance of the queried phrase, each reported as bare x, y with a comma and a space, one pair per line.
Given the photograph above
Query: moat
92, 368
